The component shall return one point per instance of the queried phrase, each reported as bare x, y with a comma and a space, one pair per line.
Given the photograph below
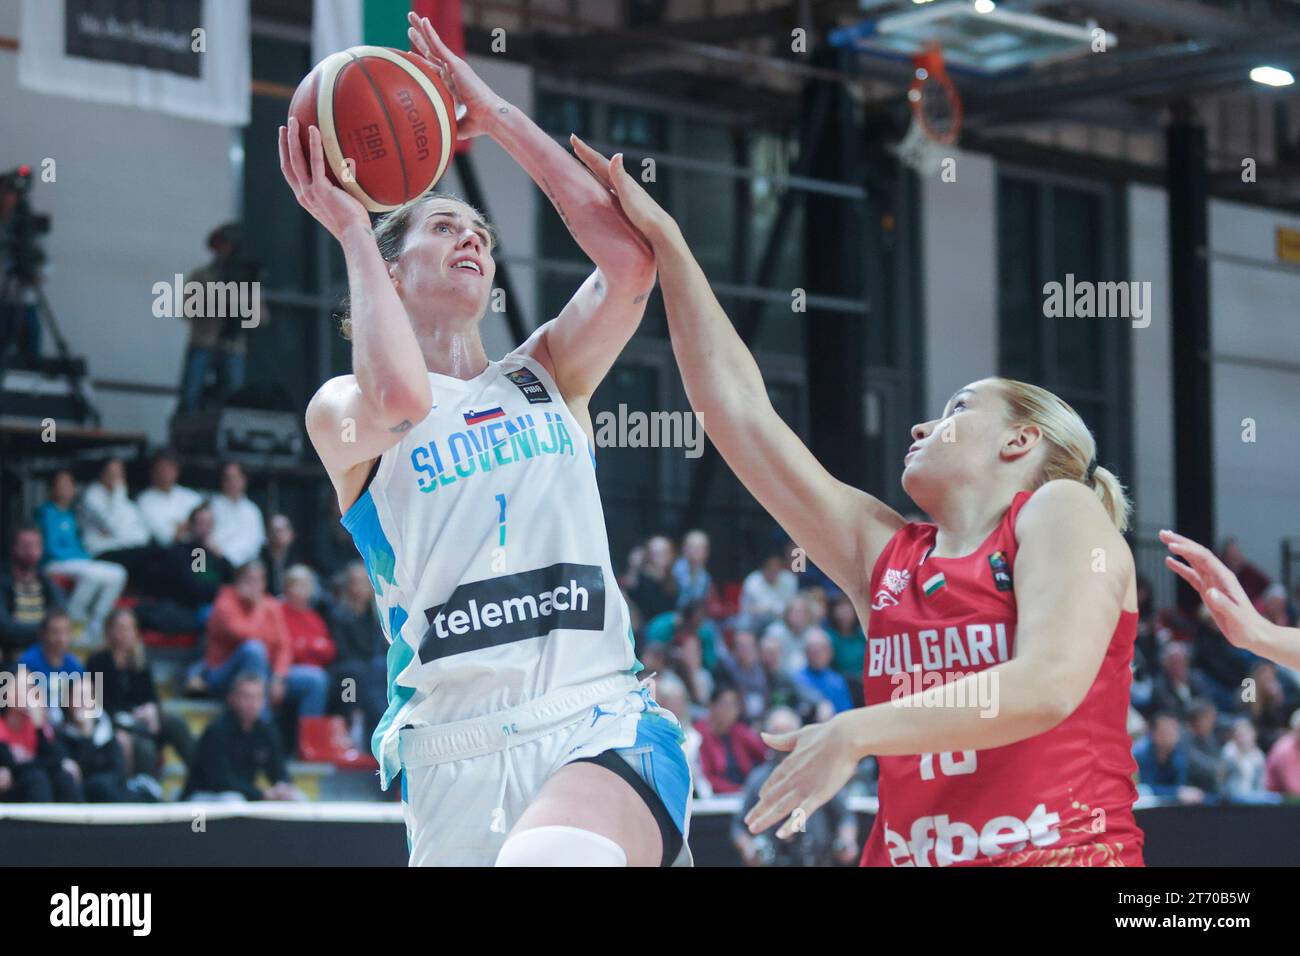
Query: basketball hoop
936, 114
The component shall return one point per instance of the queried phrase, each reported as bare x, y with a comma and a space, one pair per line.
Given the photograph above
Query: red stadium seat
730, 598
173, 641
326, 740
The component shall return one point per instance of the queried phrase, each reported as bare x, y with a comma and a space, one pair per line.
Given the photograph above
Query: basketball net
936, 115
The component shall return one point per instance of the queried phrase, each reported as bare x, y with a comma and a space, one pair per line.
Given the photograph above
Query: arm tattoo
555, 201
405, 426
641, 298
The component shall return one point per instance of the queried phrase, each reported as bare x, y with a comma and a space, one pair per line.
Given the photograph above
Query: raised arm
1229, 604
842, 528
352, 419
1073, 574
581, 343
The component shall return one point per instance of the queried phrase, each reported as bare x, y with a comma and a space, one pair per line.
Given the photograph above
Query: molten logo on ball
387, 123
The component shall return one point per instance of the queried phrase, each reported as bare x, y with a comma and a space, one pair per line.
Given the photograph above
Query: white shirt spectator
166, 511
761, 600
110, 520
238, 529
1246, 770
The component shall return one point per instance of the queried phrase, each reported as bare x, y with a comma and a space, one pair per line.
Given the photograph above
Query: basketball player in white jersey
516, 723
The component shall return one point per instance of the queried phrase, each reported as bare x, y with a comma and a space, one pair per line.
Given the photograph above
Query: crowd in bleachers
203, 587
1209, 722
208, 580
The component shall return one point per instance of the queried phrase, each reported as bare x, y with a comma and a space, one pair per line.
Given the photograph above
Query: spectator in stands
1150, 635
1206, 769
239, 745
670, 692
131, 699
729, 750
649, 582
86, 733
1273, 606
337, 551
361, 650
51, 655
51, 658
187, 576
819, 674
218, 343
793, 629
1178, 685
819, 606
112, 527
691, 619
238, 528
829, 837
849, 644
1253, 580
98, 584
766, 592
166, 505
694, 583
26, 594
1282, 767
309, 636
742, 669
246, 632
1266, 704
687, 658
1244, 778
1162, 761
279, 553
34, 767
783, 690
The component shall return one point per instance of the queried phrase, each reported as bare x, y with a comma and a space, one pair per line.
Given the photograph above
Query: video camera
20, 228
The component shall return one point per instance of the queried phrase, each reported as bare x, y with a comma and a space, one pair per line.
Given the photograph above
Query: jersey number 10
952, 763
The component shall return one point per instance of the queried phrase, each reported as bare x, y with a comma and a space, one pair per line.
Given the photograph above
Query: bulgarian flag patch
933, 585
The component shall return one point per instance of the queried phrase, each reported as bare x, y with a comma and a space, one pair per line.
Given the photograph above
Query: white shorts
465, 784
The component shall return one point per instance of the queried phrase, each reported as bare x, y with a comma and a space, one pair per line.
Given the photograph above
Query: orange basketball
387, 123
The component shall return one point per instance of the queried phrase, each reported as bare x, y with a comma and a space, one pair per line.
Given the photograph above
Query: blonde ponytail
1112, 496
1072, 450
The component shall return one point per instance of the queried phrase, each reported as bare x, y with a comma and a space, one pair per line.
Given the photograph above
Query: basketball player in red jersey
1228, 604
999, 637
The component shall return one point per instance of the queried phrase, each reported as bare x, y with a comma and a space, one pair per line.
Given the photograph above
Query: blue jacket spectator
820, 674
1162, 764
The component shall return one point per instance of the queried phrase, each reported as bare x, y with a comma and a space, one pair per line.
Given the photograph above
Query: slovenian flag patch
477, 418
933, 585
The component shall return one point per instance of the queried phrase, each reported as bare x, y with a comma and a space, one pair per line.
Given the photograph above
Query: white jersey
485, 541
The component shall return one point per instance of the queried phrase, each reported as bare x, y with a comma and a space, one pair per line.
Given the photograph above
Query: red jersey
1062, 798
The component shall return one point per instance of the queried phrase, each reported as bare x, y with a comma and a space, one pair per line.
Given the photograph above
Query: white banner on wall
335, 25
187, 58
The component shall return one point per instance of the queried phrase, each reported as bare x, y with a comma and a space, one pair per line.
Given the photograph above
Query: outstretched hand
332, 206
1218, 587
646, 216
821, 760
474, 100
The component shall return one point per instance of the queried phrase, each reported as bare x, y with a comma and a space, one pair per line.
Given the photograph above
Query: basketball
387, 123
